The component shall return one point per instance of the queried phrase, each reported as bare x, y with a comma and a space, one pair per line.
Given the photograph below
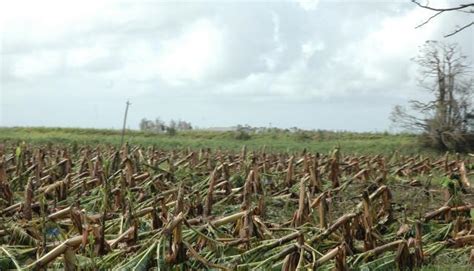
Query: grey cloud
259, 75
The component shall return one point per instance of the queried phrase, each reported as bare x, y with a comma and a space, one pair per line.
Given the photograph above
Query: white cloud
271, 58
189, 56
80, 57
383, 56
309, 48
276, 27
39, 63
308, 4
48, 20
192, 54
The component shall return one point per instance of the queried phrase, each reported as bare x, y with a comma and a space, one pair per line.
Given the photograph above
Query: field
323, 142
76, 199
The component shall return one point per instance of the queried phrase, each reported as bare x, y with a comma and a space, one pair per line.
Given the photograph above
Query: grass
317, 141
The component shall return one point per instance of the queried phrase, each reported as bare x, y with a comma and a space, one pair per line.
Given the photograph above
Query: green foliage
18, 152
446, 182
237, 180
302, 136
275, 141
10, 256
20, 236
242, 133
171, 131
140, 262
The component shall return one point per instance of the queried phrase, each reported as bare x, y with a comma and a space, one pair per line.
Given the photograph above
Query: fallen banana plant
136, 208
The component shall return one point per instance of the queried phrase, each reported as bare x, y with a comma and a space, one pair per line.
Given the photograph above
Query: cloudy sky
312, 64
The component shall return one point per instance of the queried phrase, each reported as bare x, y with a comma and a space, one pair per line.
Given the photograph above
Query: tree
470, 121
160, 125
444, 121
242, 132
143, 124
184, 125
146, 125
171, 129
465, 8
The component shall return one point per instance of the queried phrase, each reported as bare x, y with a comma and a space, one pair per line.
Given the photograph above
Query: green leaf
18, 152
143, 263
4, 250
446, 182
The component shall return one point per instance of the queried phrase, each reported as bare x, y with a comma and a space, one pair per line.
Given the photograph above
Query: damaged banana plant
136, 208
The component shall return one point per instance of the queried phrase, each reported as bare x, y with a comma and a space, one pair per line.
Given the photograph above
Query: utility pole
124, 122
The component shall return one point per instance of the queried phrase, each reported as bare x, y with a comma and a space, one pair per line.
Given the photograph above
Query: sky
336, 65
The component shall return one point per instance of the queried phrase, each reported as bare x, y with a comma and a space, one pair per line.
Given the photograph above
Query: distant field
356, 143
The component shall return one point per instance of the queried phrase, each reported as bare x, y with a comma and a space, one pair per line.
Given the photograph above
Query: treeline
160, 126
246, 132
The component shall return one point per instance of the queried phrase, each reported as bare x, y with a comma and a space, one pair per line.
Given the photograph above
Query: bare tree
160, 126
184, 125
146, 125
171, 129
465, 8
444, 120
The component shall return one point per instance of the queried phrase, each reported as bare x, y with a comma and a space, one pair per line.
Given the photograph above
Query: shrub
241, 133
302, 136
171, 131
